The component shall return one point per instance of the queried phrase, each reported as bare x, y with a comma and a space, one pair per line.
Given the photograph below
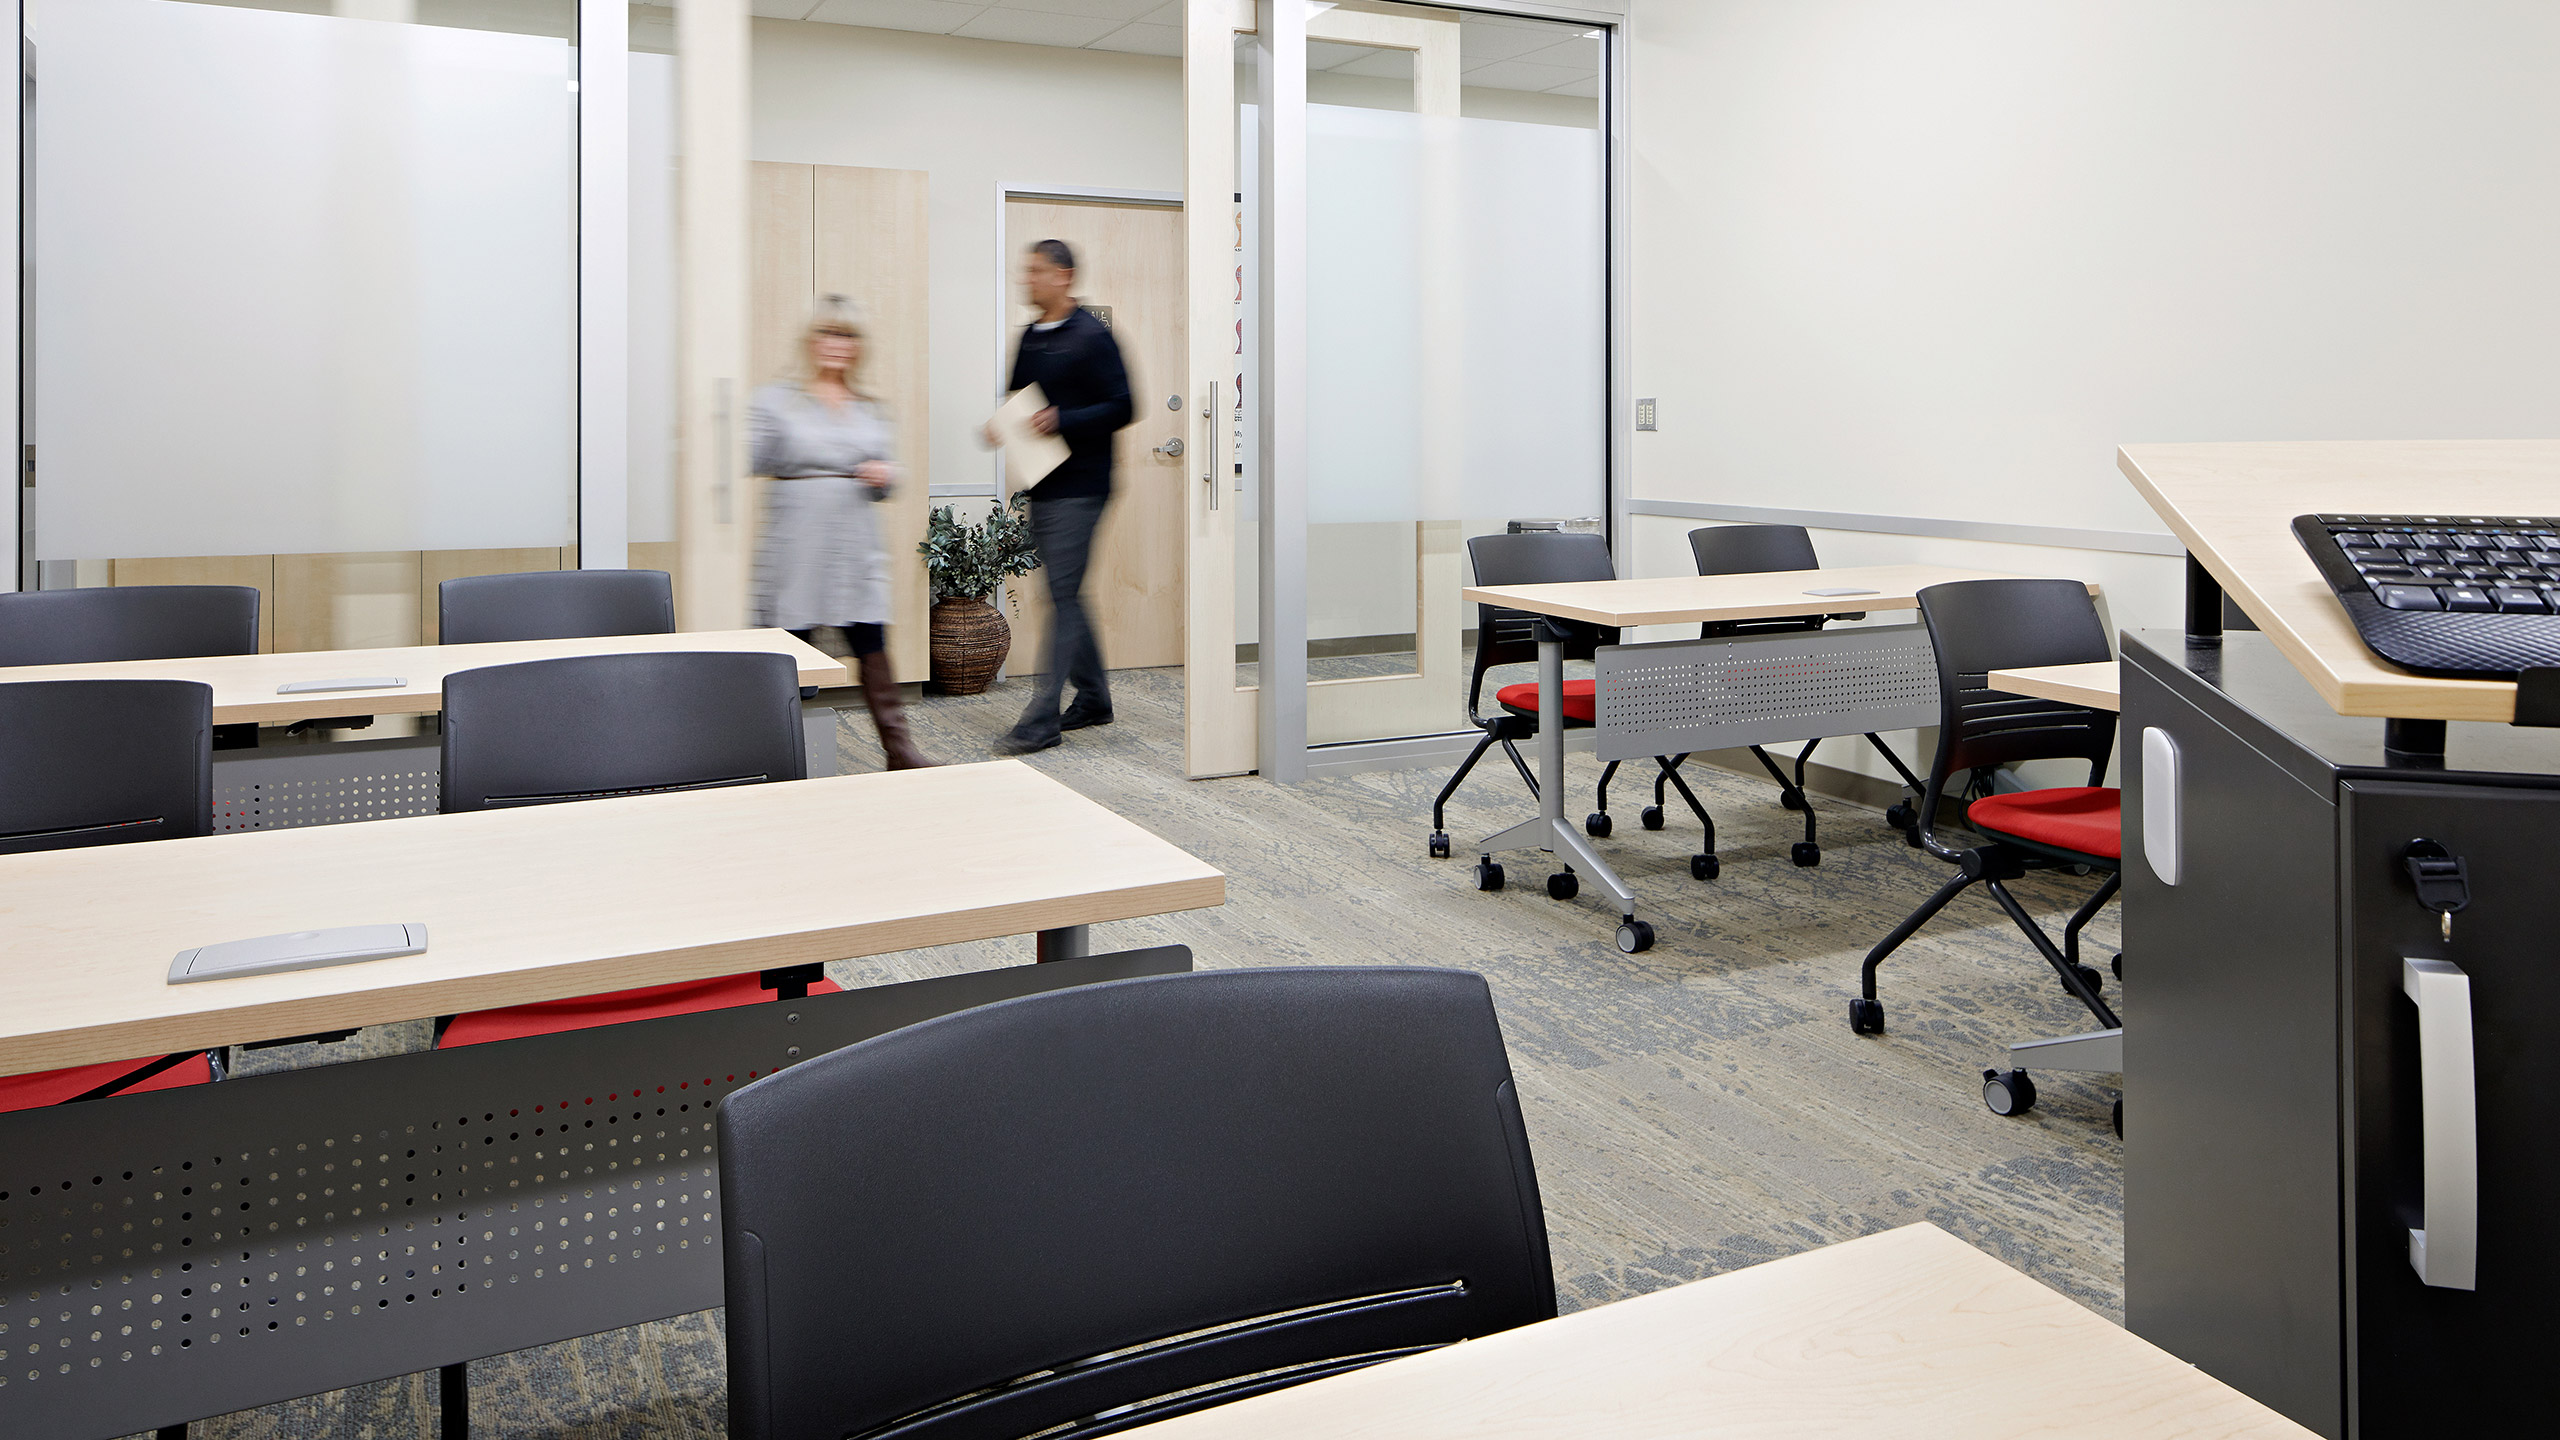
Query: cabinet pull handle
2445, 1250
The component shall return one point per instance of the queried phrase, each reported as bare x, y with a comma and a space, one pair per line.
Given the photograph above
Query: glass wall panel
304, 300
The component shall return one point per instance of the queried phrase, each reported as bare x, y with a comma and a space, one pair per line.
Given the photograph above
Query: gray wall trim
2123, 542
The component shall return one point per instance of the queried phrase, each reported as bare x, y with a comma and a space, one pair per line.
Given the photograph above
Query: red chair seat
52, 1087
553, 1017
1580, 702
2084, 819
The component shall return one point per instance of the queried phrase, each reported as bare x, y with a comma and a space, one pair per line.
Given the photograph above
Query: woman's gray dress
820, 560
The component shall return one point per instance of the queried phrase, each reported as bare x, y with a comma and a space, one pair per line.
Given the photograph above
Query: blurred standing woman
827, 445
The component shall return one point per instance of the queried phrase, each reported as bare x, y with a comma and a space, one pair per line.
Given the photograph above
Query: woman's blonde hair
836, 314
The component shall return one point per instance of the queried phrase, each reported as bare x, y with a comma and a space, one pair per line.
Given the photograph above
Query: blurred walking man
1071, 356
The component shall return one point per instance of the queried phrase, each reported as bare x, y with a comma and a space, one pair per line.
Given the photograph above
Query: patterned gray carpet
1693, 1109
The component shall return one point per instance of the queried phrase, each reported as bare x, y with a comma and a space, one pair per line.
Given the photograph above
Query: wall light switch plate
1644, 414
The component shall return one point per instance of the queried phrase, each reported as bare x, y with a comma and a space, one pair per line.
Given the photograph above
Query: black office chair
554, 605
104, 762
589, 727
1101, 1207
127, 622
1506, 637
1978, 626
1760, 550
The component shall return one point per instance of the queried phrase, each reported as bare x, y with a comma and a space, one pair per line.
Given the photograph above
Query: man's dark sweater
1077, 365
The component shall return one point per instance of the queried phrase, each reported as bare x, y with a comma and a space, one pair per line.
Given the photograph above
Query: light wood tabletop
557, 901
2232, 506
1907, 1333
1692, 599
244, 686
2094, 684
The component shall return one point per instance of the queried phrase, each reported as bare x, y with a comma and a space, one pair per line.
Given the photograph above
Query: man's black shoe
1074, 720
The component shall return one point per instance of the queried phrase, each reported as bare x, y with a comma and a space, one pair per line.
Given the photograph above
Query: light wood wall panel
713, 365
357, 601
871, 238
258, 571
1129, 258
437, 566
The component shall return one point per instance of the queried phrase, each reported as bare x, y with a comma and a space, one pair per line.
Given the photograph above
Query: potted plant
966, 564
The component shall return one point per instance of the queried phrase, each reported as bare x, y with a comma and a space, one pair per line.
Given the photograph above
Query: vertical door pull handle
1209, 442
2445, 1250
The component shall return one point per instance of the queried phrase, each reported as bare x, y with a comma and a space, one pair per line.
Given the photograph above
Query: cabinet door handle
2445, 1250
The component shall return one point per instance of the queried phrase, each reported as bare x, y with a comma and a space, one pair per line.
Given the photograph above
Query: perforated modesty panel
286, 785
1679, 696
184, 1253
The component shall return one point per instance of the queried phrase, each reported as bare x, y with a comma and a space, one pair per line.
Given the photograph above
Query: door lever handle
1171, 449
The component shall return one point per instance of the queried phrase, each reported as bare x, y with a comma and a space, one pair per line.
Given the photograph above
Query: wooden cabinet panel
356, 601
437, 566
253, 570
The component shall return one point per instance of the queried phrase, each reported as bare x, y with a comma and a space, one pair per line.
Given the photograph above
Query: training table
1910, 1332
283, 782
176, 1254
1683, 696
2092, 684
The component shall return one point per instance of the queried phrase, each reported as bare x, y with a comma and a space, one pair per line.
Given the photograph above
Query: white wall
1940, 260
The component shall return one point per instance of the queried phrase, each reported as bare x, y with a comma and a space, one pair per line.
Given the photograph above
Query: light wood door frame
1222, 720
1137, 537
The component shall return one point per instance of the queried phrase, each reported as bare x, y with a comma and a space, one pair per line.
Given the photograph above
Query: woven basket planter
970, 640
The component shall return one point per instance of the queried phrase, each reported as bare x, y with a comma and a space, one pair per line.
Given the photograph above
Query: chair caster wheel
1900, 815
2090, 977
2119, 1117
1791, 799
1439, 845
1488, 875
1866, 1017
1705, 867
1652, 817
1805, 852
1634, 936
2008, 1092
1563, 885
2117, 965
1596, 824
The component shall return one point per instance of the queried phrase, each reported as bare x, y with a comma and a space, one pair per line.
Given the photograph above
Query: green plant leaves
970, 562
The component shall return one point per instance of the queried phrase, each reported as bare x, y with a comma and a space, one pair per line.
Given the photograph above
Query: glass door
1413, 291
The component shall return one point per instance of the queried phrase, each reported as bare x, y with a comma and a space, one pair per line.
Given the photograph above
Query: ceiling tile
1169, 13
1035, 27
1123, 11
1518, 75
1380, 65
1325, 55
1573, 54
1587, 88
1142, 40
1482, 41
782, 9
938, 17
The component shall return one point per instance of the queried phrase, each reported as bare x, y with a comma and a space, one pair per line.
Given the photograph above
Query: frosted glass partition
653, 300
1526, 345
302, 284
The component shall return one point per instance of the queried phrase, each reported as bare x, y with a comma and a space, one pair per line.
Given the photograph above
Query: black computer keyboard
2470, 596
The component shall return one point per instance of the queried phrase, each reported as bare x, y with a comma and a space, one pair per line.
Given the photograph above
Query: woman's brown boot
889, 714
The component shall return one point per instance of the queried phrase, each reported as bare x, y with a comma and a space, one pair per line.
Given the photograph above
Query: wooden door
861, 233
1128, 264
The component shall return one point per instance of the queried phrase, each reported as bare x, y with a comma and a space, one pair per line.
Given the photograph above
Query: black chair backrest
937, 1233
127, 622
1754, 550
1979, 626
590, 726
554, 605
1539, 557
102, 762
